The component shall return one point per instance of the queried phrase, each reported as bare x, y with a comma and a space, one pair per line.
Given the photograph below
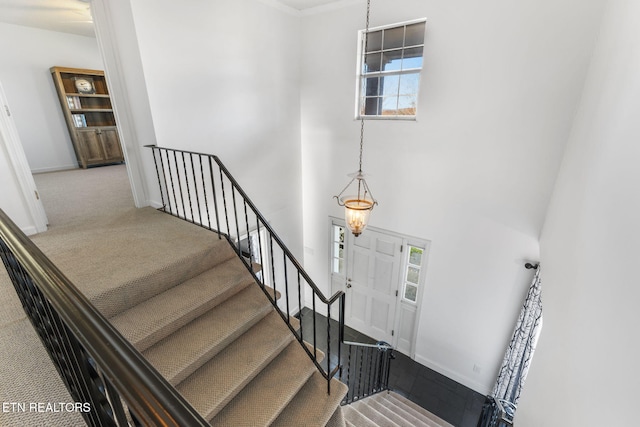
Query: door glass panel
415, 256
413, 274
410, 293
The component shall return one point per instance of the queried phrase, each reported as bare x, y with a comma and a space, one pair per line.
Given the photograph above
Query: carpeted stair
389, 409
184, 299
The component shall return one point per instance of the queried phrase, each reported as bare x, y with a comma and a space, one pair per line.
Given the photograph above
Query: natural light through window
337, 238
412, 274
389, 71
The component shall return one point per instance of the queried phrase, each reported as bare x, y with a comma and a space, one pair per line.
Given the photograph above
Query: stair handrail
179, 166
379, 345
96, 363
284, 247
240, 190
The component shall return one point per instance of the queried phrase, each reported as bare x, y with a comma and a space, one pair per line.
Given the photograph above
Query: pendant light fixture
358, 207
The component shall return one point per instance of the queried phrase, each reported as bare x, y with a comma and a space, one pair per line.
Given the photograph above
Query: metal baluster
224, 201
315, 352
155, 162
215, 198
328, 349
262, 272
204, 192
360, 370
340, 330
195, 189
350, 387
164, 177
175, 161
173, 189
377, 370
235, 215
246, 221
186, 181
300, 307
273, 271
286, 287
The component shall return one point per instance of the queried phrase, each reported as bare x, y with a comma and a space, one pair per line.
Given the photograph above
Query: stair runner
389, 409
185, 300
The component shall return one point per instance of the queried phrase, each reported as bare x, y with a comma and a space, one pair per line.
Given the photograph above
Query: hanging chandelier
358, 207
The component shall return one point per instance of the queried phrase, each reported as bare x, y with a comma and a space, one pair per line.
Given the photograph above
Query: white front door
372, 280
382, 274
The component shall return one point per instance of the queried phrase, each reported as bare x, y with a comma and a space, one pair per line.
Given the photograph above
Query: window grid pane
410, 293
399, 51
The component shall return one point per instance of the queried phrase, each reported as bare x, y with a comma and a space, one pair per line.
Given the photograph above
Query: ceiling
74, 16
67, 16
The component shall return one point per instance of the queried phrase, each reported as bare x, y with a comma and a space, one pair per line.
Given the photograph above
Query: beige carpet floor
74, 200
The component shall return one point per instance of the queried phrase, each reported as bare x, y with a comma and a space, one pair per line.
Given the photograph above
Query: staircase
389, 409
186, 301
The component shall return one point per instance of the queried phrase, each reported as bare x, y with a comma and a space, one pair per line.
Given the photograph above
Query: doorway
382, 274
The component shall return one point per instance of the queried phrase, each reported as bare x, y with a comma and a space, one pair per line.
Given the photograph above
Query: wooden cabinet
88, 112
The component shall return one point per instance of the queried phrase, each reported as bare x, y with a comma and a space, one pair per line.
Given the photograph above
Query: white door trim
20, 165
406, 241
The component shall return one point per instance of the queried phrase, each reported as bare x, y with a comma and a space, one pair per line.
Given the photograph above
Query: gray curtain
517, 358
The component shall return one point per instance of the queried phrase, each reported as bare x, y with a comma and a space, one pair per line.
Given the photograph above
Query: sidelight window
412, 273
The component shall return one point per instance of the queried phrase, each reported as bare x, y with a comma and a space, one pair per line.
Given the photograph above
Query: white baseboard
467, 382
154, 204
55, 169
29, 231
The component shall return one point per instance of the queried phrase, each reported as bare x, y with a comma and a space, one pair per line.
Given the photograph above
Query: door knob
348, 285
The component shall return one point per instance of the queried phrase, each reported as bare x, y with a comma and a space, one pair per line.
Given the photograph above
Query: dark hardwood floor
451, 401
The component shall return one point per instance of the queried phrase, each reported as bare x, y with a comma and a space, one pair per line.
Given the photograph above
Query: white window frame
407, 266
360, 75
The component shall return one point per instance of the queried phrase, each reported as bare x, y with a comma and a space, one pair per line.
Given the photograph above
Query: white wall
473, 174
11, 197
27, 55
225, 80
584, 371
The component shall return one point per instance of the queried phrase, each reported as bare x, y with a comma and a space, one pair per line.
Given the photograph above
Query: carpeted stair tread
337, 419
260, 402
150, 259
312, 406
148, 322
219, 380
181, 353
415, 409
365, 409
354, 417
396, 413
402, 410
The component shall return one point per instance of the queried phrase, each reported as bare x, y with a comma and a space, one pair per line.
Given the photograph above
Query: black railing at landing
198, 188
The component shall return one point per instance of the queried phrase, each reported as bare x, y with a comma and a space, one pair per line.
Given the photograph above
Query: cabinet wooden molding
86, 105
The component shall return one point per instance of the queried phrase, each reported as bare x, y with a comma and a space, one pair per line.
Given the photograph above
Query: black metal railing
112, 382
496, 413
367, 369
198, 188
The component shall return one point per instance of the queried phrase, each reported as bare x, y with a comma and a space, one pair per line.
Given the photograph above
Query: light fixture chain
364, 57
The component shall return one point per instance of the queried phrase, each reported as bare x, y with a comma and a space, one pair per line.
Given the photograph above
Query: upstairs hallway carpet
72, 199
182, 297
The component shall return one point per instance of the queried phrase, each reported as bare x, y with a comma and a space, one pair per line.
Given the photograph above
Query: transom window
389, 71
412, 274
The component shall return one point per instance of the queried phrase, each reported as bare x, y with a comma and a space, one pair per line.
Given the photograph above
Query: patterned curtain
520, 351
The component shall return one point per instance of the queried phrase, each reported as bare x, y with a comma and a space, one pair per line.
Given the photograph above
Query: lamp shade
356, 213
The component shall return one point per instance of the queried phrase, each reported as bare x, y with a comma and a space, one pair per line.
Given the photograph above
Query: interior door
372, 283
